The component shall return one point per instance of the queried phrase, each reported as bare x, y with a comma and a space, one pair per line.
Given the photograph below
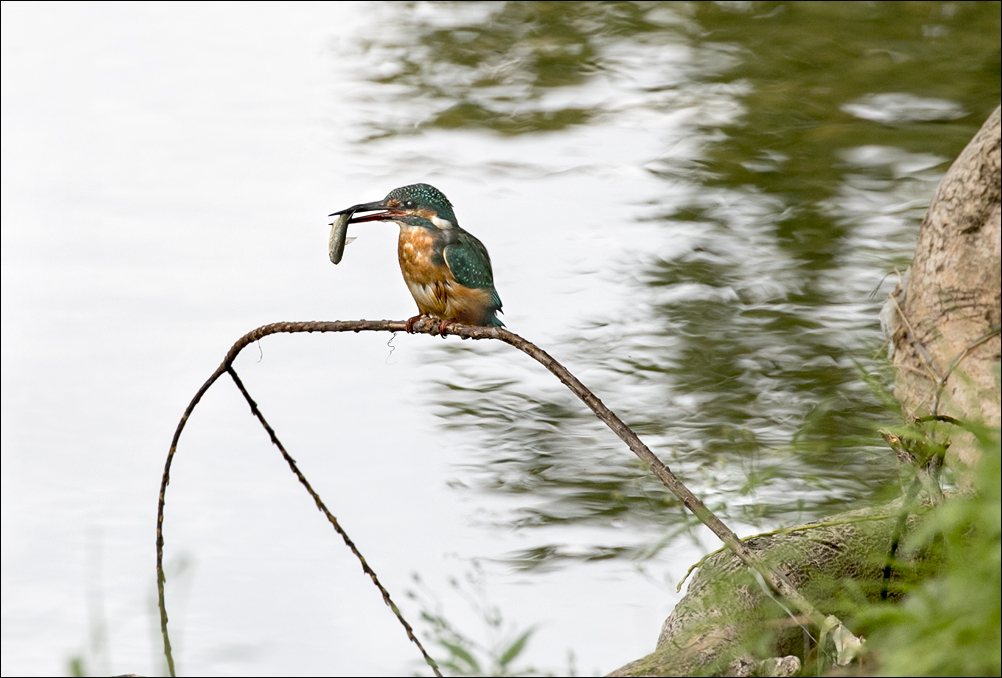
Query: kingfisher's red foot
410, 322
442, 325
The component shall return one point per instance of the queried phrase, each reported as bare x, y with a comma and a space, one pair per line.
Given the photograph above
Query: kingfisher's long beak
384, 211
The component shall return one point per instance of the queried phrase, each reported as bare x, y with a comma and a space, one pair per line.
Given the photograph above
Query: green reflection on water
746, 365
809, 63
491, 66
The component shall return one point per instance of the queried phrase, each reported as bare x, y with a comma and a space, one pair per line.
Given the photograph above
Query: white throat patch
444, 224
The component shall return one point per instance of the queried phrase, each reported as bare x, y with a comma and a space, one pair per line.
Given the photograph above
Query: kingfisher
447, 270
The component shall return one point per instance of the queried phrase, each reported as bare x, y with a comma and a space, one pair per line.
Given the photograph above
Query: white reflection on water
891, 107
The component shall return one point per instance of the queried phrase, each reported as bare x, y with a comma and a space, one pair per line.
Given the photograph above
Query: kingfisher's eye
410, 204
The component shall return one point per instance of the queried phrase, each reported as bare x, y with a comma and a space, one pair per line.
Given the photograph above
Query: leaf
515, 648
460, 652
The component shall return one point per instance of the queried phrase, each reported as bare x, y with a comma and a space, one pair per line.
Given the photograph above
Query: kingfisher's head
417, 204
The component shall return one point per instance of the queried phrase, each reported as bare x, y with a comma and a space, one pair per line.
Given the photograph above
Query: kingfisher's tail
493, 320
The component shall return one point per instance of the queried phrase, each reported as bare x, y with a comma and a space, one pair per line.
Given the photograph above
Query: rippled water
743, 212
693, 206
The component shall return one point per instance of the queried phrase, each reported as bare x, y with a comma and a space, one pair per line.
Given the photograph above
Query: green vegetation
460, 654
949, 618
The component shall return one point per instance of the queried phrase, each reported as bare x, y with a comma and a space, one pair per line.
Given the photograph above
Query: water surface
692, 206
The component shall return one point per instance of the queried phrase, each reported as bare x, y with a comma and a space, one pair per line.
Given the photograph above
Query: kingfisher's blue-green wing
471, 266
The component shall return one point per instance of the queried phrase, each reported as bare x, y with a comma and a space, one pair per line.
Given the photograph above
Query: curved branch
226, 367
775, 579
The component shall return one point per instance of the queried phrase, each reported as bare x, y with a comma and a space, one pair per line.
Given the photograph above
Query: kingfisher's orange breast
416, 249
435, 290
425, 280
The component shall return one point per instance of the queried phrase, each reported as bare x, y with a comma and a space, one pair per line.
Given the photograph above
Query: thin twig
913, 337
332, 520
890, 295
888, 339
956, 361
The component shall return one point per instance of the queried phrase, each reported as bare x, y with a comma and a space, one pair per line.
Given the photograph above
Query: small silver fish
339, 233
